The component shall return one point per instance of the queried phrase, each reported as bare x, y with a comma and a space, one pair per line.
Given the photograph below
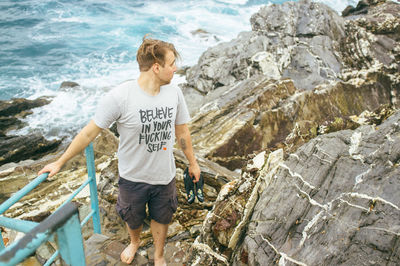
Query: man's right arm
80, 142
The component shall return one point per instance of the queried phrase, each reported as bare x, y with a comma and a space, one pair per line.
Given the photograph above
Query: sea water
94, 43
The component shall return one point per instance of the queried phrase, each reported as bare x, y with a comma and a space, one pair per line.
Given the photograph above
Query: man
149, 114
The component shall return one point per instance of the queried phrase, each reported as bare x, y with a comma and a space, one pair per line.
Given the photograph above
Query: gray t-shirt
146, 125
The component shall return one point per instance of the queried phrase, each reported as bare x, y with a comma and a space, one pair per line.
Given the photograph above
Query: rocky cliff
323, 188
335, 201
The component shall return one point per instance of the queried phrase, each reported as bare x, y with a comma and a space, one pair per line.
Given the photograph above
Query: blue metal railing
65, 223
65, 231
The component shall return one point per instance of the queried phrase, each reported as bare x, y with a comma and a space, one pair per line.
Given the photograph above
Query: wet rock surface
17, 148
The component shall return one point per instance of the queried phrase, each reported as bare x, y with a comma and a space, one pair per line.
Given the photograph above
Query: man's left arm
185, 142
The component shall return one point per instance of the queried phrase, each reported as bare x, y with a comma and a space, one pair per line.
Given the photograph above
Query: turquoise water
94, 42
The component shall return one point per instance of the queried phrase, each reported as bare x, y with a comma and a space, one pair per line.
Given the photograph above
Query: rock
17, 105
275, 48
57, 188
203, 34
372, 39
18, 148
182, 70
348, 10
228, 129
194, 99
226, 223
66, 85
332, 201
362, 8
199, 31
8, 123
341, 205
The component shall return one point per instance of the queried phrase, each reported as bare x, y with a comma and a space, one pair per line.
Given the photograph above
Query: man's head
153, 51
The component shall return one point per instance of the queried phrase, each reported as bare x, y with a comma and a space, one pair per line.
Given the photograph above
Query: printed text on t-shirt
156, 128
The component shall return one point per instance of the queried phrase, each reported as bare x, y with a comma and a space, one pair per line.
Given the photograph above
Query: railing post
70, 242
93, 188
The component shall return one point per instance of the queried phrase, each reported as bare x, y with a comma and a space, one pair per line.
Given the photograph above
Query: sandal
199, 189
189, 186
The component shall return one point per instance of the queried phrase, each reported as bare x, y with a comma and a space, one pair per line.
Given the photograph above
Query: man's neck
148, 83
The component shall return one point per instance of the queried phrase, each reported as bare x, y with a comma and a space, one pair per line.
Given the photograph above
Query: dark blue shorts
133, 196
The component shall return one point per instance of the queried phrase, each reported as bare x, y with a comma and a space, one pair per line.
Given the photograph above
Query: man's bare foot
129, 252
160, 262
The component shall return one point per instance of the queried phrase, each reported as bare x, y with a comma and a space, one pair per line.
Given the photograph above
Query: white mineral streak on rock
270, 168
382, 229
258, 161
295, 156
393, 93
267, 63
225, 190
312, 201
283, 255
105, 164
245, 186
323, 88
206, 248
43, 208
355, 206
322, 151
389, 138
359, 178
322, 160
296, 175
308, 227
364, 196
355, 142
208, 107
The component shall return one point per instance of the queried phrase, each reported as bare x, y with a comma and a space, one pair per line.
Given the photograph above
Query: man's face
166, 72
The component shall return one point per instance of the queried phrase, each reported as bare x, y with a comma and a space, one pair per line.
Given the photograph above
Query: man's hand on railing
52, 169
78, 144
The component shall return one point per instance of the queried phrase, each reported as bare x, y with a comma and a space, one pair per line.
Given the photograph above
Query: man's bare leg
129, 252
159, 232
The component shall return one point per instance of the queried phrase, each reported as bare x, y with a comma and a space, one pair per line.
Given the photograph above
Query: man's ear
156, 68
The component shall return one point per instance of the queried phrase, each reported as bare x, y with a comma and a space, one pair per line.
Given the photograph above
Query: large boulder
335, 201
341, 193
293, 40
